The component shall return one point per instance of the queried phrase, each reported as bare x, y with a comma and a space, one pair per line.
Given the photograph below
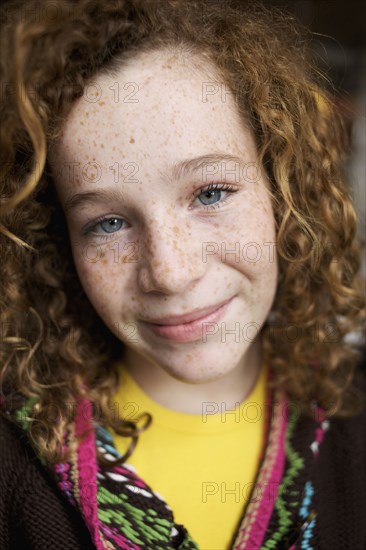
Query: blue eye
215, 189
210, 194
110, 226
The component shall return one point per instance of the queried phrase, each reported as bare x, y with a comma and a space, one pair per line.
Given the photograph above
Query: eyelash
211, 187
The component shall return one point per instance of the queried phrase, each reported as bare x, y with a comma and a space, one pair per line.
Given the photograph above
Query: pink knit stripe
271, 484
87, 468
257, 516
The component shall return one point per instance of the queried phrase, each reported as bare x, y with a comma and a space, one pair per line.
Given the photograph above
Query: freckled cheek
98, 276
249, 243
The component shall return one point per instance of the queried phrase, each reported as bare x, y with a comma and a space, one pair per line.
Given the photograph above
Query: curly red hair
50, 51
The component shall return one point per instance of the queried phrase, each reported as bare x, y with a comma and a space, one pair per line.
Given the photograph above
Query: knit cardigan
309, 493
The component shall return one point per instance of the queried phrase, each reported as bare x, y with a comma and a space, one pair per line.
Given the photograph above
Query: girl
179, 277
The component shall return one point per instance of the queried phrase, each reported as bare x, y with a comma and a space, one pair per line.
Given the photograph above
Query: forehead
153, 106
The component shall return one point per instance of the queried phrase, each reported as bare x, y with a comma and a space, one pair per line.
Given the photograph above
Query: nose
171, 259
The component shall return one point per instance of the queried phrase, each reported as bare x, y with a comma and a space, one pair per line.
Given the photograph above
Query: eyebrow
177, 170
91, 197
188, 166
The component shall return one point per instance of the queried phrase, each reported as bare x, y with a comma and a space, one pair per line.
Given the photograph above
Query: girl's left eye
215, 189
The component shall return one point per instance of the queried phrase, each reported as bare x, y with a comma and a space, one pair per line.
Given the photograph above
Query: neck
227, 390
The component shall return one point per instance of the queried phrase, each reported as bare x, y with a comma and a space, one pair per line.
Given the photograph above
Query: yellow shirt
203, 465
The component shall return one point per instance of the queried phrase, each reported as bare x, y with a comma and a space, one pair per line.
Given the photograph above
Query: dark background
341, 26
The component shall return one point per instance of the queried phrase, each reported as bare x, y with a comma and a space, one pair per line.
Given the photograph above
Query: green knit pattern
295, 465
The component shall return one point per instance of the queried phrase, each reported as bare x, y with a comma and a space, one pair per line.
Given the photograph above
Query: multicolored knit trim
257, 515
294, 465
294, 514
119, 508
130, 505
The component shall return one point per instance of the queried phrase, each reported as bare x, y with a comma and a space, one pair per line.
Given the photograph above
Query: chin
199, 376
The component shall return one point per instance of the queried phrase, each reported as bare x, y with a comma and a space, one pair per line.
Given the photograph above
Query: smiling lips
185, 328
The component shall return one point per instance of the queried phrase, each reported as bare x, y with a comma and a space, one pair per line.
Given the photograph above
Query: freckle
176, 230
98, 277
101, 103
81, 123
132, 140
102, 146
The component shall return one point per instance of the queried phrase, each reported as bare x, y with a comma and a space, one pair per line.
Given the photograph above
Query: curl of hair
51, 50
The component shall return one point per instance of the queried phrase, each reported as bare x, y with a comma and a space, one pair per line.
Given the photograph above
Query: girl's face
132, 167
